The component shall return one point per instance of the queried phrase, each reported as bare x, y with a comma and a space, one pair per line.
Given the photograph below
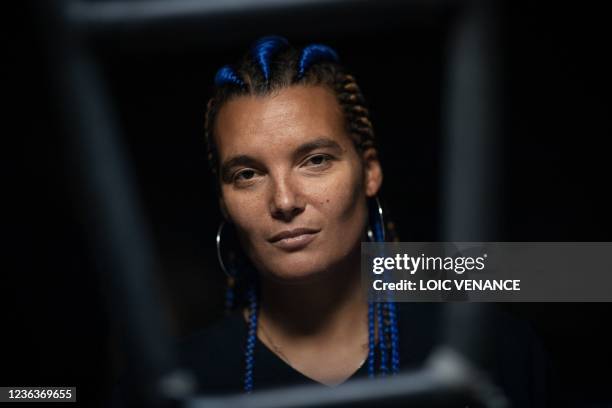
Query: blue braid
387, 334
378, 231
226, 75
391, 328
395, 356
314, 53
264, 49
251, 340
371, 340
381, 339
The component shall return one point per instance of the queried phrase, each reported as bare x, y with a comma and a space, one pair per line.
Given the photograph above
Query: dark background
554, 185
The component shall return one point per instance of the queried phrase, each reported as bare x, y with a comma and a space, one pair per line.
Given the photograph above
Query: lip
295, 239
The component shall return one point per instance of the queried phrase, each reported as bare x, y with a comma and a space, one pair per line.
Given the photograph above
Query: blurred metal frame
134, 22
123, 234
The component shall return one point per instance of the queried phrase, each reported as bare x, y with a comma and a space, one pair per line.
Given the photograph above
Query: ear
373, 175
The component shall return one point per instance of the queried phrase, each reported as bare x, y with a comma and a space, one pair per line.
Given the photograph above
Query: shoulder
215, 355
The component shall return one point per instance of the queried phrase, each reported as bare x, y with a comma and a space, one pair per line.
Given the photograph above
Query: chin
297, 269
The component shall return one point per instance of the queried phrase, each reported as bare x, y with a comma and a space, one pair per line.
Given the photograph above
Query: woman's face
292, 182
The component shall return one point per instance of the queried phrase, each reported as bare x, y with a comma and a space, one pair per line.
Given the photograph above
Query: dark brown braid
357, 115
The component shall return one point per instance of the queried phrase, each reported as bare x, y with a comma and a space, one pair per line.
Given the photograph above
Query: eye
317, 160
244, 175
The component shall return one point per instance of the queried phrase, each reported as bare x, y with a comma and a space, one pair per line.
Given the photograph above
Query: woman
292, 147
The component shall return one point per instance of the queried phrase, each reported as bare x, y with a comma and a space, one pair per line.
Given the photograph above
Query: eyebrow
248, 161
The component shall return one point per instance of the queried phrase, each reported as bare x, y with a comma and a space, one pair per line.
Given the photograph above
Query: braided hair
273, 64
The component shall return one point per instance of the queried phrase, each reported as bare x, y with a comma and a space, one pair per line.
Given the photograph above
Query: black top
216, 355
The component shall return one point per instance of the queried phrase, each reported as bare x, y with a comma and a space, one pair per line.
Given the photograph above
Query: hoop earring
219, 255
378, 213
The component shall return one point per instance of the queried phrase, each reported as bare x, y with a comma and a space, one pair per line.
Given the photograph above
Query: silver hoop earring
219, 256
378, 212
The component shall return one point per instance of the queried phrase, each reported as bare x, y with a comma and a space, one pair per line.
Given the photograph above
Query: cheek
244, 211
343, 198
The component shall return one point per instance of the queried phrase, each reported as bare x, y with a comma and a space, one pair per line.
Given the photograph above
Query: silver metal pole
471, 171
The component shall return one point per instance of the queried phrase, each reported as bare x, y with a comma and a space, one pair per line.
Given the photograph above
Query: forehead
284, 119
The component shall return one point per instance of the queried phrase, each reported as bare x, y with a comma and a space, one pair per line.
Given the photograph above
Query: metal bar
470, 159
107, 194
473, 132
223, 21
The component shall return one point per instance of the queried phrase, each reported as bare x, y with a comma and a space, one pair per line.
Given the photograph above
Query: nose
286, 199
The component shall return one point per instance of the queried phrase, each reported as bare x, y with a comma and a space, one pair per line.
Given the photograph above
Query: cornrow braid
357, 115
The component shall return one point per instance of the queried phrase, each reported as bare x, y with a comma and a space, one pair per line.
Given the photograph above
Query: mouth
295, 239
